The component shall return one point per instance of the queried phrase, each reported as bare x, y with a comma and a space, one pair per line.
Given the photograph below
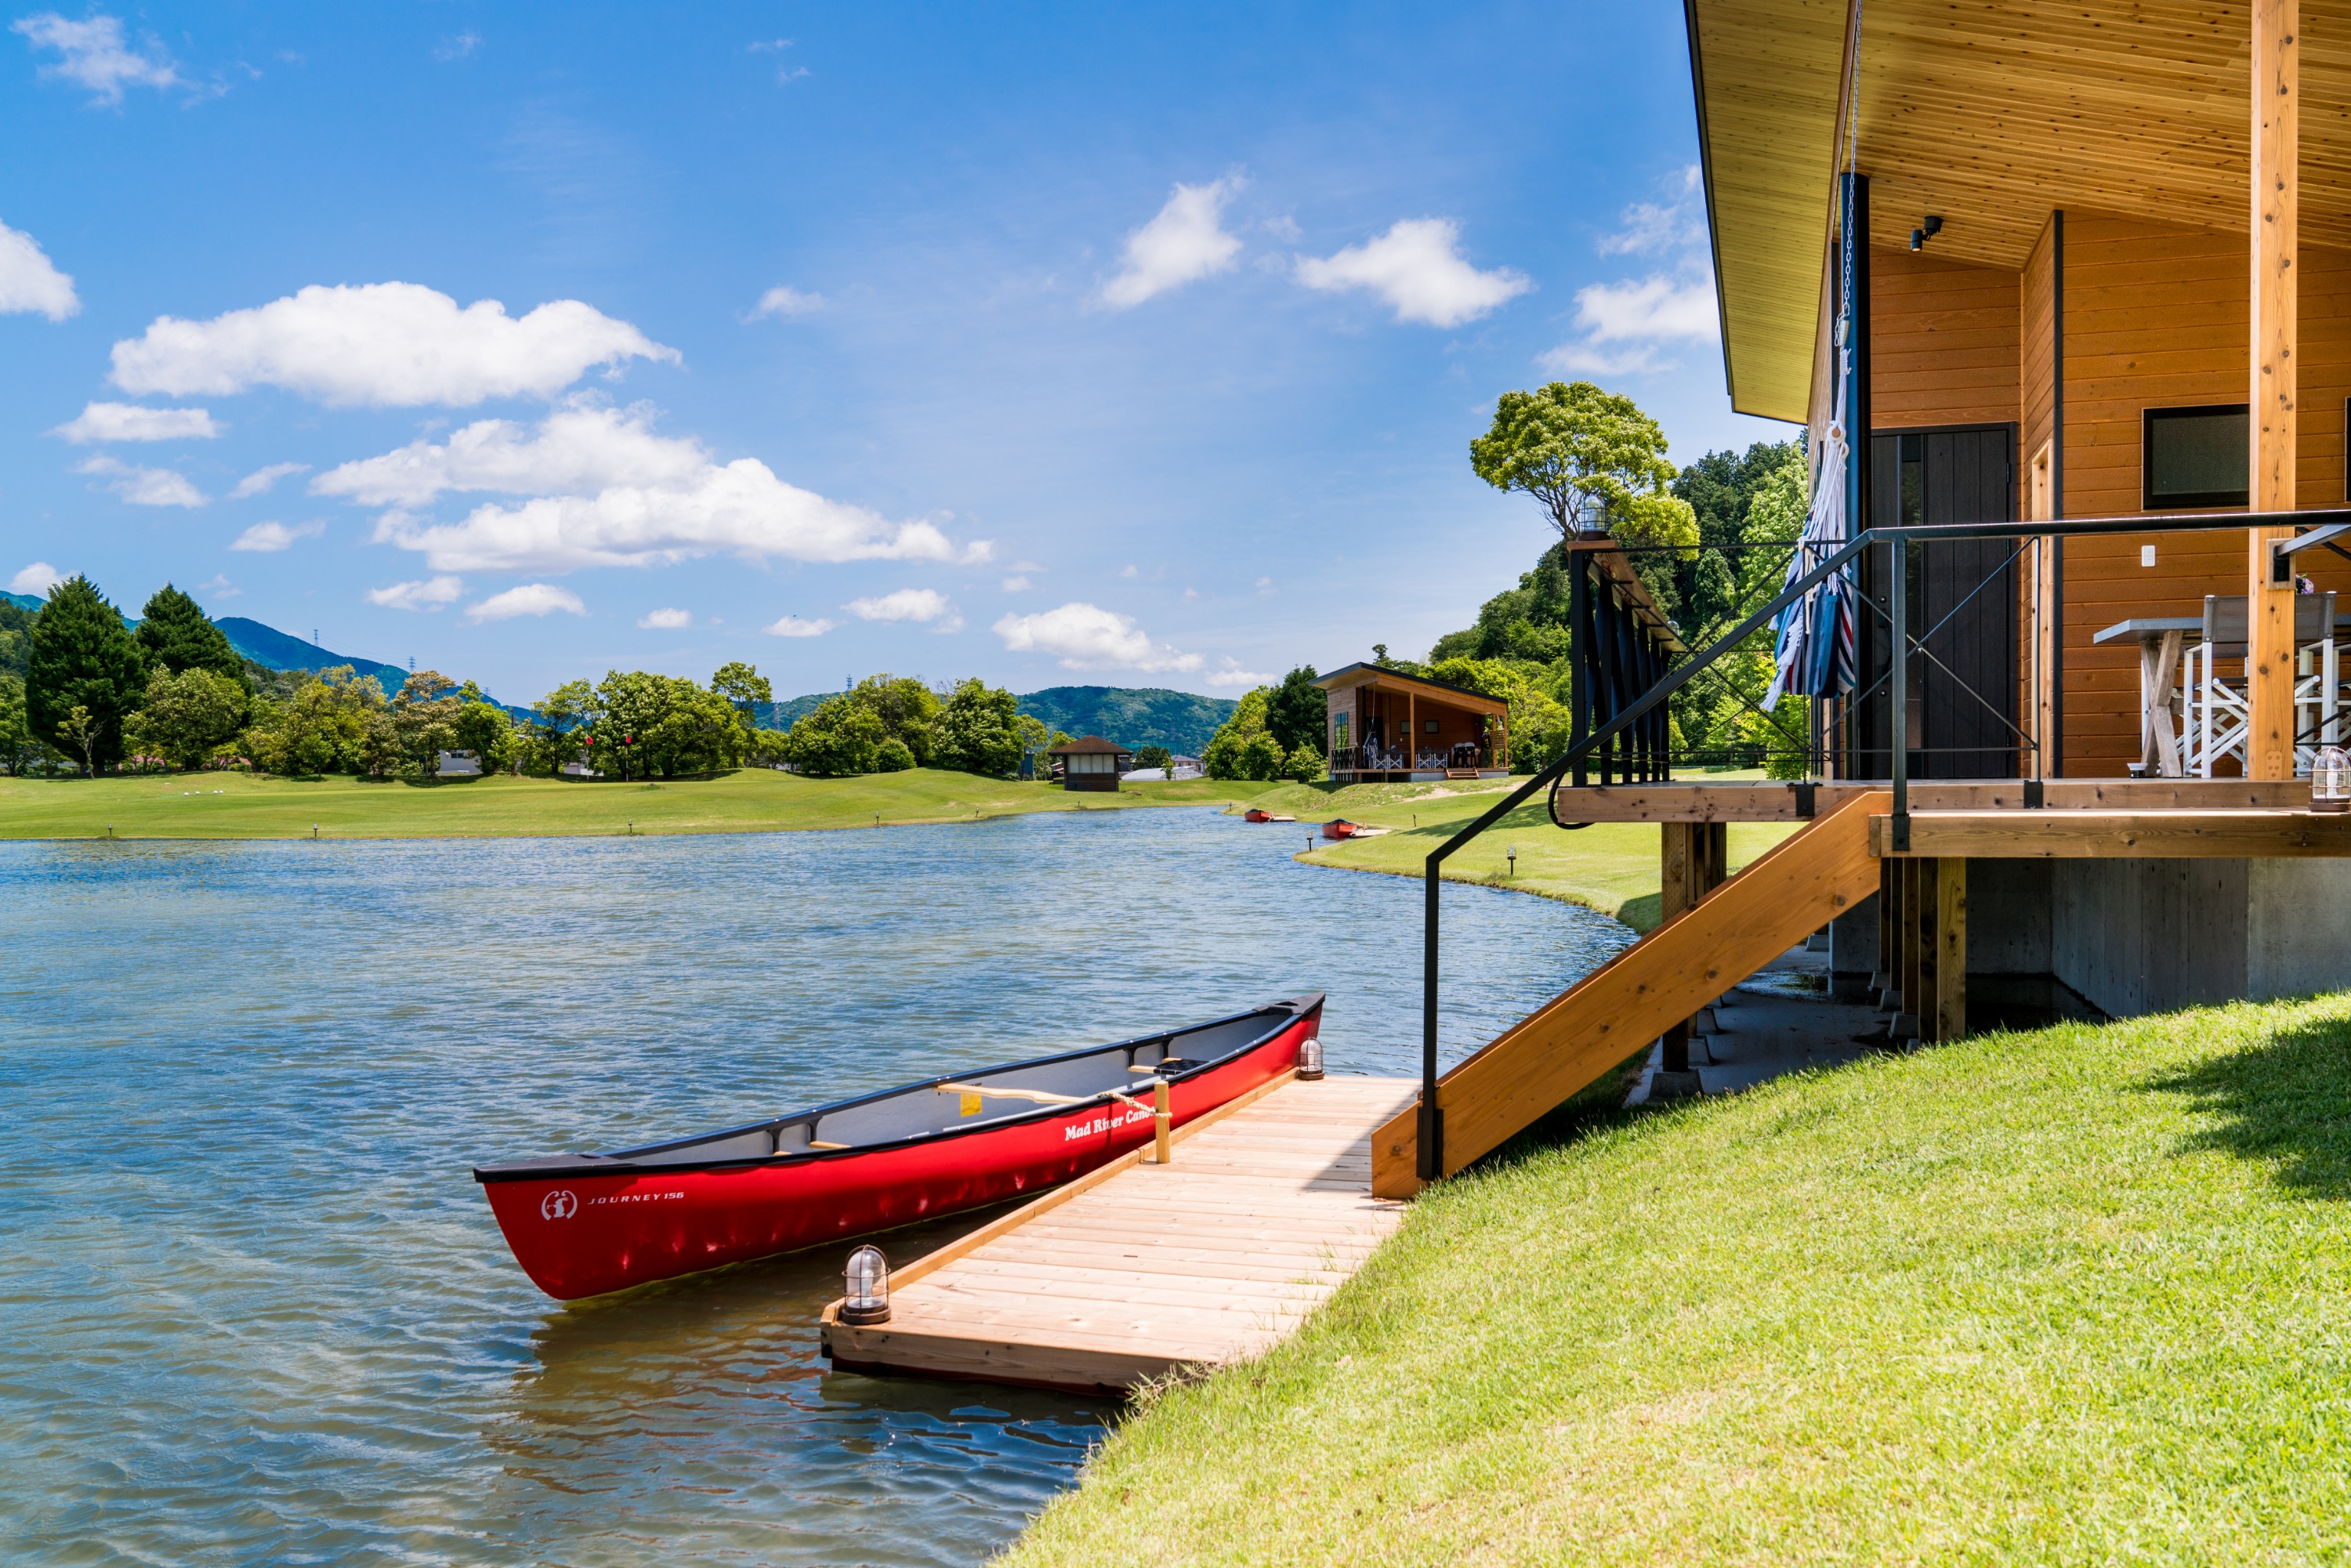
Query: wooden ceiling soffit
1766, 74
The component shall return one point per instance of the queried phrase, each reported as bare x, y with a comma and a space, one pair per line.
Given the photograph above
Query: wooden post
1914, 884
1411, 734
1163, 1152
1952, 949
1678, 890
2276, 191
1925, 940
1889, 916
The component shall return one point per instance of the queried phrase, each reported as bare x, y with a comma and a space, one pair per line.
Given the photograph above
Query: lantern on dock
865, 1288
2330, 780
1310, 1059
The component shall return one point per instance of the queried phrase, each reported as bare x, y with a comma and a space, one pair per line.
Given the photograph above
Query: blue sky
1053, 345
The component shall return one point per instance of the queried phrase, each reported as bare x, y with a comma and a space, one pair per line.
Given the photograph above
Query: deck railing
2330, 525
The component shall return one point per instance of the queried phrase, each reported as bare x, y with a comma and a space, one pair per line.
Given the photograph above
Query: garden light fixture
1310, 1059
866, 1287
2330, 780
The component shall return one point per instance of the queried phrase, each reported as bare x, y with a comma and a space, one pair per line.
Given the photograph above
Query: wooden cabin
1383, 725
1093, 763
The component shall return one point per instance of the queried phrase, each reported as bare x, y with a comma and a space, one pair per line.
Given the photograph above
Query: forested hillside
1132, 715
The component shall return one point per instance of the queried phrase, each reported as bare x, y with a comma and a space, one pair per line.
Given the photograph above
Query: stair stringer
1787, 892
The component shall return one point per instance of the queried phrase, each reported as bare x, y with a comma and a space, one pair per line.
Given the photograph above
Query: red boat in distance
1339, 828
583, 1225
1259, 814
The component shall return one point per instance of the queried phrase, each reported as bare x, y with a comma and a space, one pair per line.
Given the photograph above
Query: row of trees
78, 687
1275, 732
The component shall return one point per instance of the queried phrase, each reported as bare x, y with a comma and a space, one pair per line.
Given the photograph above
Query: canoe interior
917, 1111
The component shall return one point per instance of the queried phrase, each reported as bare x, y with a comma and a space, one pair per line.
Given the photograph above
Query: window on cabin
2197, 457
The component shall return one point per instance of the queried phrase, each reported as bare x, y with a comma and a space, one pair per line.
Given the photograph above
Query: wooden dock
1137, 1269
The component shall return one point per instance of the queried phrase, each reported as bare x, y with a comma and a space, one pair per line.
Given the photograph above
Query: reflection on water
255, 1309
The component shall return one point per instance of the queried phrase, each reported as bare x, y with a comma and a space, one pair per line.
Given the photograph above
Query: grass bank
1610, 866
754, 800
2079, 1295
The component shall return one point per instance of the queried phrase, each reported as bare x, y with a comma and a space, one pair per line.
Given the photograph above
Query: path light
1310, 1059
865, 1288
1513, 857
2330, 781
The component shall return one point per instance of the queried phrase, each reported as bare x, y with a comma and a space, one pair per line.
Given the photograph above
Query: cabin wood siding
2158, 316
1943, 342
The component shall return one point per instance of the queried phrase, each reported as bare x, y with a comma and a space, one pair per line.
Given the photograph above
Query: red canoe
582, 1225
1339, 828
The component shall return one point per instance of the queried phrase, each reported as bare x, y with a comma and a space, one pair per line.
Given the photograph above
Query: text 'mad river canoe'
582, 1225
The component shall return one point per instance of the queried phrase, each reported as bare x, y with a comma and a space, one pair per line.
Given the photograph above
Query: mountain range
1132, 715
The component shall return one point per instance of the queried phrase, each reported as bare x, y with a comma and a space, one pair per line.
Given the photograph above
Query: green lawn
241, 806
1611, 866
2081, 1295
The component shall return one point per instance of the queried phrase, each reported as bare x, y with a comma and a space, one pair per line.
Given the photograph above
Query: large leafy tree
747, 688
82, 656
665, 724
16, 635
1581, 452
16, 746
843, 738
1297, 710
979, 729
178, 635
189, 715
907, 709
423, 716
322, 723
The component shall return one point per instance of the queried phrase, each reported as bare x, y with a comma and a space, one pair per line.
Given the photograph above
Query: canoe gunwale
1285, 1013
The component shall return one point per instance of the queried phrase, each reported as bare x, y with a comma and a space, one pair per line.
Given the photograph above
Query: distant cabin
1093, 763
460, 765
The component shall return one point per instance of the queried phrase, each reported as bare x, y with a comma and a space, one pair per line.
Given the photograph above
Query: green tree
488, 731
907, 709
567, 720
1261, 757
840, 739
77, 732
1304, 764
1155, 757
188, 717
423, 716
1582, 452
893, 756
1297, 711
178, 635
82, 656
743, 685
979, 730
320, 725
1227, 755
15, 637
665, 724
16, 745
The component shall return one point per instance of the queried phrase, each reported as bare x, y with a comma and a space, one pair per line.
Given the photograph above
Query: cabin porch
1384, 726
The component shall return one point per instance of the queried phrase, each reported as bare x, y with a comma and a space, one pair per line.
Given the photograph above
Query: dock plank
1139, 1268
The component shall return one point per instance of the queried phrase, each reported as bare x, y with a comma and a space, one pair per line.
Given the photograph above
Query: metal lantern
2330, 780
1310, 1059
865, 1288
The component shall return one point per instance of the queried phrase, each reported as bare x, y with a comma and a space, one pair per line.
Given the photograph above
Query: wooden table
2162, 639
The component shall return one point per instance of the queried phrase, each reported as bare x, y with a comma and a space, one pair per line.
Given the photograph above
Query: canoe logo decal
558, 1206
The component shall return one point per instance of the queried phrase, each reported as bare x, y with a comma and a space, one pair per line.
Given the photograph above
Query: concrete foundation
2131, 936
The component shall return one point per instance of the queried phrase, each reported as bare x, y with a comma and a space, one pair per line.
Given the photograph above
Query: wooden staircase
1789, 893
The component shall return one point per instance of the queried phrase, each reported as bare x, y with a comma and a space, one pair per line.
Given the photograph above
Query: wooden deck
1696, 800
1139, 1268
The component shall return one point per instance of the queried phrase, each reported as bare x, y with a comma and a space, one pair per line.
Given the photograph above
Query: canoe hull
583, 1234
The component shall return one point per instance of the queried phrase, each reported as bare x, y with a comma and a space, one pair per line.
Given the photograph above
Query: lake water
254, 1310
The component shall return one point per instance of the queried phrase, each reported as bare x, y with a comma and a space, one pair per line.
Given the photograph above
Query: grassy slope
1611, 866
753, 800
2081, 1295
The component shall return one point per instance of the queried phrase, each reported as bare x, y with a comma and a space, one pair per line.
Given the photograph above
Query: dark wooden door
1962, 609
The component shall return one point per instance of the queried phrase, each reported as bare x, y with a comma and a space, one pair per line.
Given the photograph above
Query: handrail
1432, 1123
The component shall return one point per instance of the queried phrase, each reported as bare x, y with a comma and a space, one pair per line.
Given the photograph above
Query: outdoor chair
2215, 717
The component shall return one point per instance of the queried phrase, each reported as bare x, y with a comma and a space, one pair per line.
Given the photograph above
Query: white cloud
1088, 637
1417, 268
259, 481
430, 594
29, 281
1264, 585
220, 586
1185, 243
1635, 316
129, 421
458, 47
94, 55
1017, 585
144, 487
37, 578
530, 599
1130, 569
1651, 308
919, 605
608, 491
785, 300
380, 345
1231, 675
666, 621
268, 539
1675, 224
793, 626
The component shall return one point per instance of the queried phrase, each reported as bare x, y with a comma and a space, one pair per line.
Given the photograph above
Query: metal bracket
2033, 795
2283, 552
1432, 1141
1902, 833
1805, 795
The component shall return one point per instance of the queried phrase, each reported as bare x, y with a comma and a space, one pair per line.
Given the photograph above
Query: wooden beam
2276, 195
1950, 1001
2120, 835
1774, 802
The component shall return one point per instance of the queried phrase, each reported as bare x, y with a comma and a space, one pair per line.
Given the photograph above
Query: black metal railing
1431, 1130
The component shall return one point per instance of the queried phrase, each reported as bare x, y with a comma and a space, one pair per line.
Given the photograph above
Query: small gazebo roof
1090, 743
